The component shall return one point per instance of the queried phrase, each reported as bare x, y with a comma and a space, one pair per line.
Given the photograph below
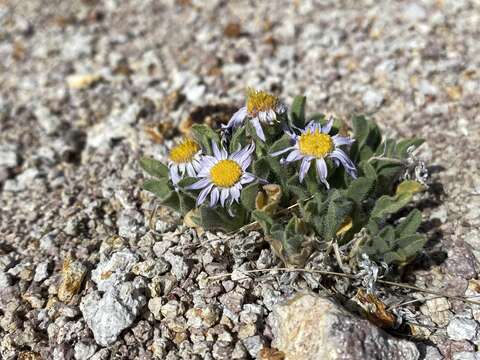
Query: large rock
310, 327
108, 315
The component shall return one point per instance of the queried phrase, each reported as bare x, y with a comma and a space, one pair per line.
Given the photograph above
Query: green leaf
360, 189
297, 112
186, 203
160, 188
280, 144
411, 245
403, 145
238, 139
410, 224
387, 205
154, 167
217, 219
167, 196
248, 196
261, 168
205, 135
263, 219
360, 130
367, 169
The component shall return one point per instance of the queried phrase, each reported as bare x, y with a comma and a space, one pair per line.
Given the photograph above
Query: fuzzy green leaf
154, 167
160, 188
217, 219
264, 220
248, 196
360, 189
261, 168
403, 145
205, 135
410, 224
282, 143
238, 139
388, 205
166, 195
297, 112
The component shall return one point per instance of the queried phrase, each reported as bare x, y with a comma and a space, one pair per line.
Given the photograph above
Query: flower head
260, 107
183, 157
223, 175
315, 143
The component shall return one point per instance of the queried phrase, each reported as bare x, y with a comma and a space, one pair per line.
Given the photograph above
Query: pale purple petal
328, 126
322, 171
214, 195
223, 196
276, 153
203, 195
216, 151
294, 156
199, 184
247, 178
174, 175
339, 155
191, 170
304, 168
235, 192
339, 140
237, 119
258, 129
242, 154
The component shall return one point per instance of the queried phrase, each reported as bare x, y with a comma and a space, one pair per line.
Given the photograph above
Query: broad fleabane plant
309, 182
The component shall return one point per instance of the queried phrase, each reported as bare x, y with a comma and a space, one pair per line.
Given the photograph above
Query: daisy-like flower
223, 175
314, 143
260, 107
184, 158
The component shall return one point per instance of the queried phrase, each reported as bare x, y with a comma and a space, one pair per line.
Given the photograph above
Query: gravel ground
88, 269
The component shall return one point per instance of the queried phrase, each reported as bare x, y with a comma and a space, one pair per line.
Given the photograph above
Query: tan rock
310, 327
82, 81
73, 273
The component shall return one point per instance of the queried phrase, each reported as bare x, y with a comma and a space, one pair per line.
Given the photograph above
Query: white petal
174, 175
203, 195
276, 153
328, 126
304, 168
339, 140
237, 118
294, 156
322, 171
216, 151
199, 184
247, 178
258, 129
214, 195
191, 170
235, 193
223, 196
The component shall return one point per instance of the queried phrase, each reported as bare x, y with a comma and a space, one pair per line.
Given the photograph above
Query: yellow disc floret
258, 101
315, 144
184, 151
225, 173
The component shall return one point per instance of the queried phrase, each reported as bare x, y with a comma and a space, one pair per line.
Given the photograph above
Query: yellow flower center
315, 144
184, 151
258, 101
225, 173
